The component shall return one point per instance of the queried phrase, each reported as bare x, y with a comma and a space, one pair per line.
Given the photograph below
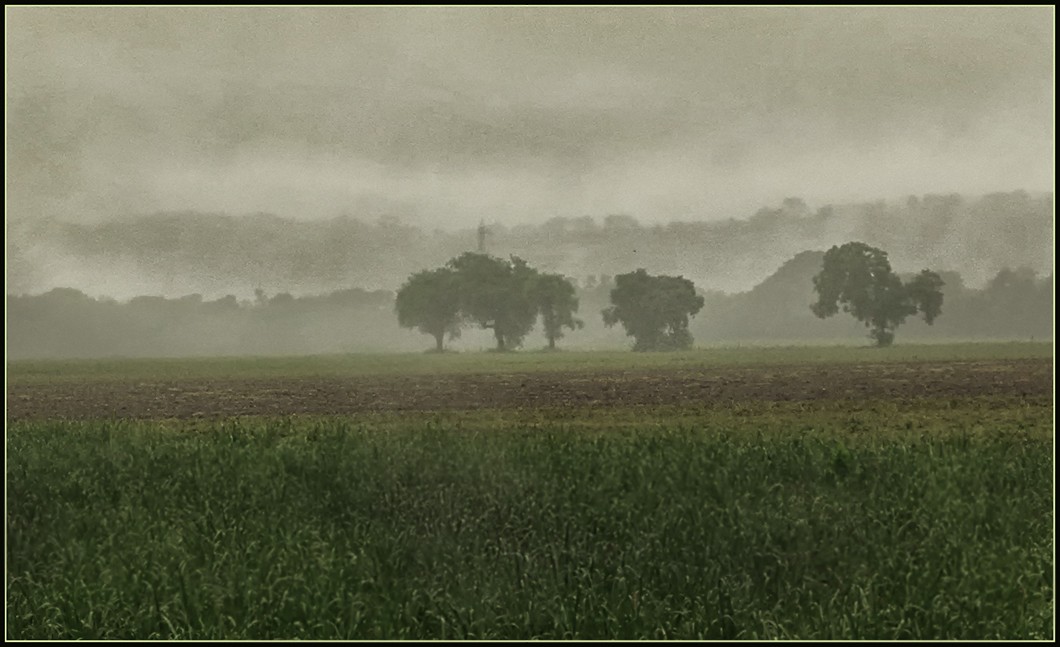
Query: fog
453, 115
322, 152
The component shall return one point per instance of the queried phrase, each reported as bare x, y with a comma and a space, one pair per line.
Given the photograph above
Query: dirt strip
218, 398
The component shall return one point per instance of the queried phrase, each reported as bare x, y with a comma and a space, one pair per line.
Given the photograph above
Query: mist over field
236, 156
177, 254
529, 323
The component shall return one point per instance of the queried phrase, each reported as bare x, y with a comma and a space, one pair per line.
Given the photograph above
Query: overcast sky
449, 115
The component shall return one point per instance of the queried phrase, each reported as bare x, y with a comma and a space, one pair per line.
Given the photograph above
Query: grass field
43, 371
920, 507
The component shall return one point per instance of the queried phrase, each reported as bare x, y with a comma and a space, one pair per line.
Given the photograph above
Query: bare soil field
220, 398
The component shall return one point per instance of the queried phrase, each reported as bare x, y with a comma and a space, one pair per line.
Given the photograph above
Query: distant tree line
507, 296
1016, 303
504, 296
178, 253
68, 323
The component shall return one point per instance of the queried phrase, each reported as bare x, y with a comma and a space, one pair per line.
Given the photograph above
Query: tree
1013, 304
859, 278
555, 300
429, 302
497, 294
654, 310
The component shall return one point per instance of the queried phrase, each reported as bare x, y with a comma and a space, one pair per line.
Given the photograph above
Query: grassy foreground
766, 521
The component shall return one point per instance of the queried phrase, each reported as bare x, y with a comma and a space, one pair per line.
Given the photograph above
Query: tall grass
721, 527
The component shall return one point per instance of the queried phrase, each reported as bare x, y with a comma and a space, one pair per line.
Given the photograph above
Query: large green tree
654, 310
555, 298
429, 301
859, 279
497, 294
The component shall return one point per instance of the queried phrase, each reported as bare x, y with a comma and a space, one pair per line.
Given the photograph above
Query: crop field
755, 493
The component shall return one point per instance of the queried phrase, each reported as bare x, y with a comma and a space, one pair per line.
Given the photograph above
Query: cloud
519, 113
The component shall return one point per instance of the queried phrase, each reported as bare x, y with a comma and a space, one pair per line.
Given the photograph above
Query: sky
445, 116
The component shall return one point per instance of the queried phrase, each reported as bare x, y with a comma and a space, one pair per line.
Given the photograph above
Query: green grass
42, 371
925, 520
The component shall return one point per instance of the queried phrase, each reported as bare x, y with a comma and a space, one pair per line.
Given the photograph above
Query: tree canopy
557, 302
497, 294
429, 301
859, 279
654, 310
504, 296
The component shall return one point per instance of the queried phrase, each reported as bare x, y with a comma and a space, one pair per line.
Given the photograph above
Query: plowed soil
218, 398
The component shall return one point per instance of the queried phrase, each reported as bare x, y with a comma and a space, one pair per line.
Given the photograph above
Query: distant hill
1015, 304
173, 254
